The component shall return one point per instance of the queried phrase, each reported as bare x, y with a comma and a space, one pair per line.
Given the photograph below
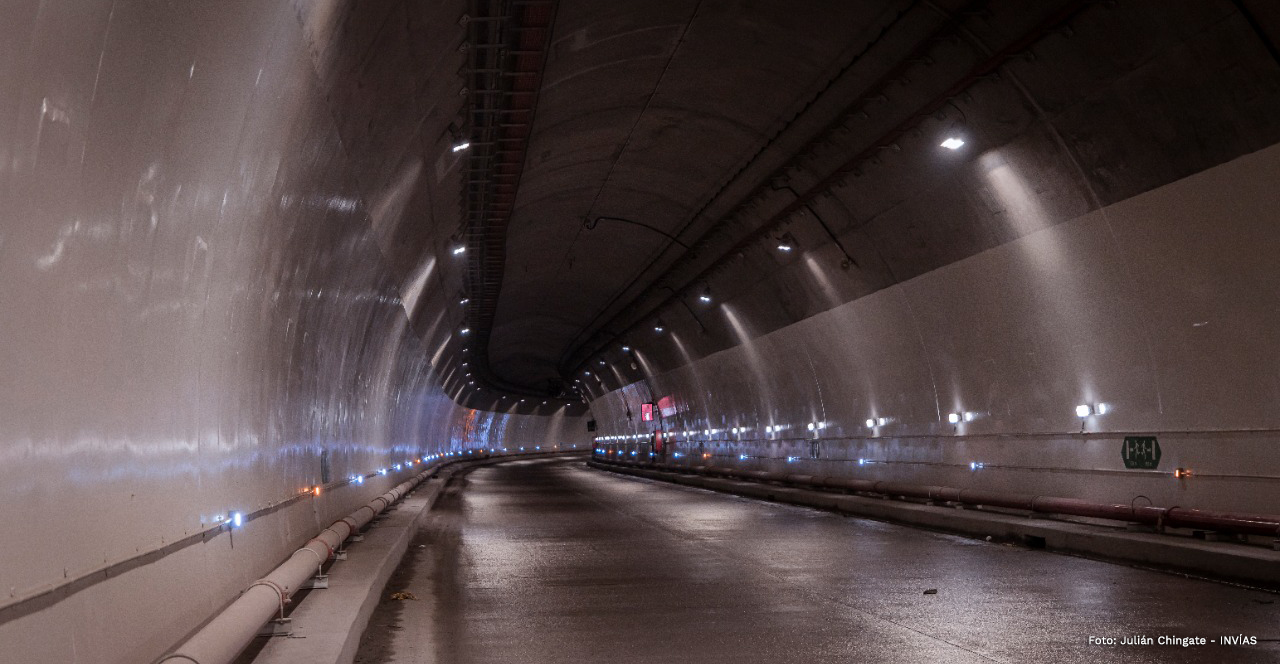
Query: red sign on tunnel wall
646, 412
667, 406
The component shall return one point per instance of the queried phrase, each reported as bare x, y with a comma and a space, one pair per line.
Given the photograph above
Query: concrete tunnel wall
199, 313
1161, 307
196, 318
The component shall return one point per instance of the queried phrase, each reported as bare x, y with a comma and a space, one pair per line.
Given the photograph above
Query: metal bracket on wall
318, 582
277, 627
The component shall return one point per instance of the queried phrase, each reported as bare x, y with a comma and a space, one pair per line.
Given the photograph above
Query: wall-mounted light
953, 143
976, 465
954, 418
464, 300
626, 349
1085, 410
786, 243
705, 297
465, 330
659, 326
458, 249
1182, 473
236, 519
460, 145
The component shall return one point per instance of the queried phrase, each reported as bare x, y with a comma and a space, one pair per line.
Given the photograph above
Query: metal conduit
1160, 517
222, 639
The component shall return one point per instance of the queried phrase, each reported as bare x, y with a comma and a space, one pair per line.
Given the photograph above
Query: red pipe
1160, 517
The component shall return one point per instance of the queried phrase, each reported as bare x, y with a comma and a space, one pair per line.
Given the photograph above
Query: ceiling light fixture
952, 143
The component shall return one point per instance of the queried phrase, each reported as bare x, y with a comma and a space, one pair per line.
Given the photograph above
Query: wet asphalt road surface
550, 561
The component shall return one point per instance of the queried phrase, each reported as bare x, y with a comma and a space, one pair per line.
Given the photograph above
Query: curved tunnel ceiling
625, 160
646, 110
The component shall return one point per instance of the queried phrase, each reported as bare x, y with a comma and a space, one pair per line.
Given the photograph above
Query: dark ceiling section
506, 45
647, 110
710, 255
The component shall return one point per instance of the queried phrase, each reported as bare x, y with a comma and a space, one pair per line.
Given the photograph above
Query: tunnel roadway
549, 561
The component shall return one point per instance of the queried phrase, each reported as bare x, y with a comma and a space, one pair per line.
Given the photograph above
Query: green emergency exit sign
1140, 452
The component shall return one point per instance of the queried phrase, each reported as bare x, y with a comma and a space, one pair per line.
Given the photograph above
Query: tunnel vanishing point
668, 331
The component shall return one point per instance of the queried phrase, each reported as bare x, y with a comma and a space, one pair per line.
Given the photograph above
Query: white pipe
222, 639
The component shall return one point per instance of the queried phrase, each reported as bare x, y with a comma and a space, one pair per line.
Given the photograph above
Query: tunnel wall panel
196, 319
1159, 307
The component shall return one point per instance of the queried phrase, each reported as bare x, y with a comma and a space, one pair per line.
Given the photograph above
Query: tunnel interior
263, 262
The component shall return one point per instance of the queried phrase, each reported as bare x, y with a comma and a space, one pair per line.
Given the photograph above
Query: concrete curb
1228, 561
328, 624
